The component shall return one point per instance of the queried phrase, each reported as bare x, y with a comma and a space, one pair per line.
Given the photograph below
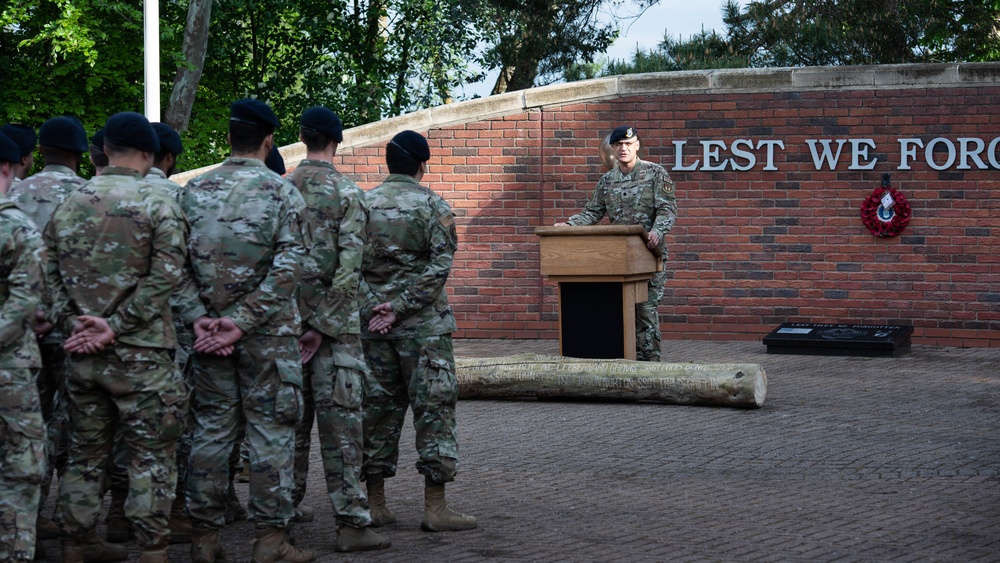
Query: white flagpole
151, 57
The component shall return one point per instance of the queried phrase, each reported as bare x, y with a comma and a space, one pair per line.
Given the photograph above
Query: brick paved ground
850, 459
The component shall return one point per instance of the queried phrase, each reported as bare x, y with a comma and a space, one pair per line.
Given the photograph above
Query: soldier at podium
636, 192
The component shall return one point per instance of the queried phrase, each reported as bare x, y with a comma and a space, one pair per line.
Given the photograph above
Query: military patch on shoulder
668, 187
447, 221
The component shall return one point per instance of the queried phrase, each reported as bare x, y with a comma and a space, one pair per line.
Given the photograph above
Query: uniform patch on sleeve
447, 221
668, 187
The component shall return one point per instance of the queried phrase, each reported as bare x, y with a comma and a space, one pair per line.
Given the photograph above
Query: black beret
413, 144
9, 152
254, 112
22, 135
623, 132
170, 140
323, 121
98, 140
275, 162
64, 133
130, 129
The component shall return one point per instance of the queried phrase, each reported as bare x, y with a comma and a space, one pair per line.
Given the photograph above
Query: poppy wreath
884, 222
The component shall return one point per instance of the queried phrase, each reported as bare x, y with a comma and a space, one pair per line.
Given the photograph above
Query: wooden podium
602, 272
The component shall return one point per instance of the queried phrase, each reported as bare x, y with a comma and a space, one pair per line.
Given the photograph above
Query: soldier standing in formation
22, 440
636, 192
116, 250
334, 225
245, 255
407, 337
63, 142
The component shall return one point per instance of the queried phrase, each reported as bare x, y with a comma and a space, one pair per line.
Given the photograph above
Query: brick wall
781, 241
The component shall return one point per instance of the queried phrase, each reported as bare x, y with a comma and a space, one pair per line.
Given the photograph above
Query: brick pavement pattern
849, 459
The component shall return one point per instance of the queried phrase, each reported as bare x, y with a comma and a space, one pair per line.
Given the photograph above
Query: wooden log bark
532, 375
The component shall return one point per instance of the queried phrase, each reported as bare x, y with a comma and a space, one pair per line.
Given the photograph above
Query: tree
190, 68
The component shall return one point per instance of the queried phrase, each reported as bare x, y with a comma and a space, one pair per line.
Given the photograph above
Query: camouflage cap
130, 129
66, 133
254, 112
9, 152
413, 144
170, 140
22, 135
623, 132
322, 120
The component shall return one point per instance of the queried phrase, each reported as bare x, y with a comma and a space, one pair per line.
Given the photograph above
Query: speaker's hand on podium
652, 240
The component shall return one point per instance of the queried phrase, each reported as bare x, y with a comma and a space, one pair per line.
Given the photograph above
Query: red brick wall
751, 249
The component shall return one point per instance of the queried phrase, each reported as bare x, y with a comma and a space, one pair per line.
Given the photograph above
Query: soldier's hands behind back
90, 335
216, 336
309, 343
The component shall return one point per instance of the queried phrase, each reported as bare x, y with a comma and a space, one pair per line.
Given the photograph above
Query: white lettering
710, 149
908, 151
770, 152
679, 157
827, 156
859, 150
966, 153
929, 153
992, 152
744, 154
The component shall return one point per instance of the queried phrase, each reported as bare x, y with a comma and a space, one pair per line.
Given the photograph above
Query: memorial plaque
839, 339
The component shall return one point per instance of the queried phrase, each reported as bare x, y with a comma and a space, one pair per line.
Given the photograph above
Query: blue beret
98, 139
170, 140
66, 133
130, 129
254, 112
9, 152
623, 132
323, 121
275, 162
22, 135
412, 143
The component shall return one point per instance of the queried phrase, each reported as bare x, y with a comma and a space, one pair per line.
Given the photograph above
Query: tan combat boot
350, 538
92, 550
119, 528
180, 524
271, 546
437, 516
205, 547
381, 515
154, 554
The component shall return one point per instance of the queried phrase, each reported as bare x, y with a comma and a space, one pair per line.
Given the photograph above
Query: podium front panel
592, 320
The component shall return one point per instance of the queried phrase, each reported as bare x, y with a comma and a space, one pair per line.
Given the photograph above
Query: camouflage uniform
644, 196
246, 252
38, 196
334, 227
116, 251
22, 430
411, 243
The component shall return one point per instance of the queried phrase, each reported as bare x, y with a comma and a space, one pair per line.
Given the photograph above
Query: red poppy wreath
885, 217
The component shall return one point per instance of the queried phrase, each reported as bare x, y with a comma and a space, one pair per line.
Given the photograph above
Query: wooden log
532, 375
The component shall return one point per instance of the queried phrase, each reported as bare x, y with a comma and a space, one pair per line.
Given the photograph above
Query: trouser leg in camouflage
419, 372
138, 390
647, 321
303, 431
49, 380
259, 385
22, 462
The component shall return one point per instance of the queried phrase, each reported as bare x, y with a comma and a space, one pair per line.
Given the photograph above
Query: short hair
112, 150
314, 140
399, 161
247, 137
98, 157
64, 157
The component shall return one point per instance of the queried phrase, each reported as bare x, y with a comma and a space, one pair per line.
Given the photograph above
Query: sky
683, 18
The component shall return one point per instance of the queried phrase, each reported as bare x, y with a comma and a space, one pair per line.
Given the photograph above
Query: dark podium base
839, 339
592, 324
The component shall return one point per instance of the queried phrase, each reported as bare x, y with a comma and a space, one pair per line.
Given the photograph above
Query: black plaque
839, 339
592, 320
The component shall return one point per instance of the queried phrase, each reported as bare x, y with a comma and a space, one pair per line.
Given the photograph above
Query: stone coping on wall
798, 79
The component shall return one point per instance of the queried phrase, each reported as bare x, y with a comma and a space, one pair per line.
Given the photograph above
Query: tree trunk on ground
531, 375
188, 75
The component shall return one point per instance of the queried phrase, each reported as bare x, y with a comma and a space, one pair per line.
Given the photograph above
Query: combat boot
180, 524
154, 554
350, 538
381, 515
437, 516
92, 550
119, 528
272, 546
205, 547
303, 513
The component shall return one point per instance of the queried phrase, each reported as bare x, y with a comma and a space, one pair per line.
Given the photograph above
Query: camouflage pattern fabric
22, 429
118, 224
419, 372
644, 196
411, 245
334, 224
246, 252
38, 196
